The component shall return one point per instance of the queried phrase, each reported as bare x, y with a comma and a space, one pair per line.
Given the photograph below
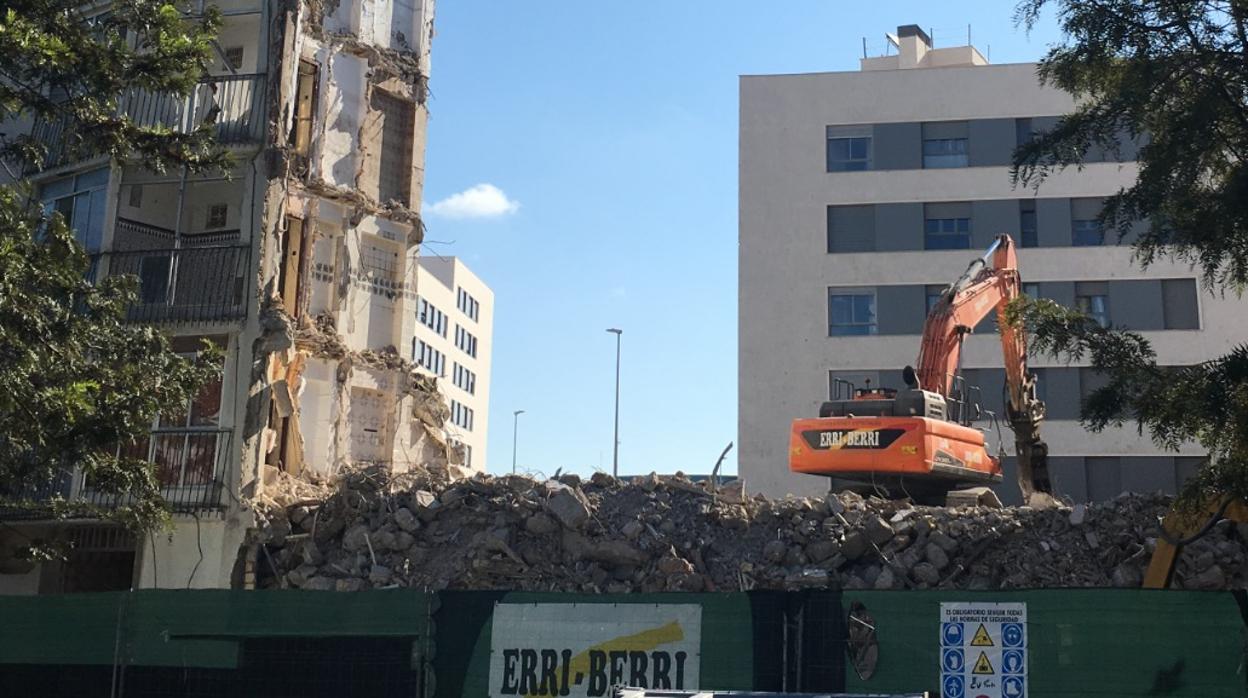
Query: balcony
190, 466
195, 278
233, 104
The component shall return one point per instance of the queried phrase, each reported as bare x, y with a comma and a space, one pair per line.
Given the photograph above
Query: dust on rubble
432, 529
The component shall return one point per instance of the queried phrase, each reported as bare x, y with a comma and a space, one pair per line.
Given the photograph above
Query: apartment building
455, 321
300, 263
863, 193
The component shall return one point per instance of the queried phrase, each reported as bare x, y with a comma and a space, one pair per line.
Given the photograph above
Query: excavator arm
989, 284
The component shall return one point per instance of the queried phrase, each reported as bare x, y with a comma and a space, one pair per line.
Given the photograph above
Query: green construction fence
1099, 642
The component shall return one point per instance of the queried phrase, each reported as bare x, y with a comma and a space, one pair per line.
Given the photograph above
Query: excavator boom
923, 435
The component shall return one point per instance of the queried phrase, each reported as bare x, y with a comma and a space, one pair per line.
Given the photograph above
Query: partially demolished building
300, 263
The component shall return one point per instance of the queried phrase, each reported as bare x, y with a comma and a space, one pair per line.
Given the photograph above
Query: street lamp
615, 458
515, 425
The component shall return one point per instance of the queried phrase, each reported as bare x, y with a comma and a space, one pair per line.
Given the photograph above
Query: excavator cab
922, 440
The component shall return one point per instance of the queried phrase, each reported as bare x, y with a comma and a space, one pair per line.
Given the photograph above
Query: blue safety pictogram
953, 661
951, 634
1012, 687
1013, 662
1012, 634
954, 687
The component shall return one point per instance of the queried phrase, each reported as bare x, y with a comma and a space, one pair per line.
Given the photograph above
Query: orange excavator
920, 441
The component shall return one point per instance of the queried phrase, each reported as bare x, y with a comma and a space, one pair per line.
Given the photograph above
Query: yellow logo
910, 450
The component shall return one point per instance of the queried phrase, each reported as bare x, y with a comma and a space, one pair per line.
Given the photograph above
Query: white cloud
480, 201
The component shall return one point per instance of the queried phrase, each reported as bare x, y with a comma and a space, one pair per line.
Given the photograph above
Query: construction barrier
474, 644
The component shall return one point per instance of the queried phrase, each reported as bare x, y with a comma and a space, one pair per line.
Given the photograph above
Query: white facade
800, 247
454, 341
301, 265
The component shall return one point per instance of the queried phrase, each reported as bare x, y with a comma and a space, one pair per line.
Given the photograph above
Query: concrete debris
428, 529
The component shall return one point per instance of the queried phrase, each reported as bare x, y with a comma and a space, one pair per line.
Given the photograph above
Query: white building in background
863, 193
454, 341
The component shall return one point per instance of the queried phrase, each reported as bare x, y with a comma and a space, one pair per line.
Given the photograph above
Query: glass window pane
964, 225
94, 178
842, 310
858, 148
864, 309
57, 189
206, 407
838, 148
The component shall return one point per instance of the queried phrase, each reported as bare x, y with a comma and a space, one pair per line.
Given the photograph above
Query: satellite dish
892, 39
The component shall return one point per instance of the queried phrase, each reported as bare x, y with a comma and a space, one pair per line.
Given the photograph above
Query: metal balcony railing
203, 281
233, 104
190, 466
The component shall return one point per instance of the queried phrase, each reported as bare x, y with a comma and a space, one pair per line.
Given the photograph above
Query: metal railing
232, 104
196, 283
190, 467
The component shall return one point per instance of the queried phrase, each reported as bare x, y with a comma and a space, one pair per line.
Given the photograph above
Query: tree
61, 66
77, 382
1173, 75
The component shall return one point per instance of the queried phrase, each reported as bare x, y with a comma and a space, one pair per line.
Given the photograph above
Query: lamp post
515, 426
615, 458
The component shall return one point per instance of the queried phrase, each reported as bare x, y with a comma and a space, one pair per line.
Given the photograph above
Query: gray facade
842, 243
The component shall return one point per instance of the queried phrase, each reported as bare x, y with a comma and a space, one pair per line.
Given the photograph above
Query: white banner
582, 650
983, 650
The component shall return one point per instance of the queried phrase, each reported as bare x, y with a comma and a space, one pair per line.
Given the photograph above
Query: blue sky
608, 135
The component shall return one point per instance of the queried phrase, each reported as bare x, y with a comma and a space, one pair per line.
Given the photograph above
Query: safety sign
983, 650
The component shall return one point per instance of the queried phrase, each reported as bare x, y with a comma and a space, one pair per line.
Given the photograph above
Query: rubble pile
427, 529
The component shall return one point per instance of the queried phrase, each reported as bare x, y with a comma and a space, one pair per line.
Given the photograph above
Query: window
942, 153
234, 57
1092, 299
136, 195
394, 178
431, 317
849, 148
461, 415
431, 359
467, 305
183, 442
465, 341
1022, 131
851, 312
947, 233
851, 229
1085, 226
464, 379
217, 215
1031, 290
305, 106
1028, 232
1179, 307
1086, 233
933, 296
945, 144
80, 200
